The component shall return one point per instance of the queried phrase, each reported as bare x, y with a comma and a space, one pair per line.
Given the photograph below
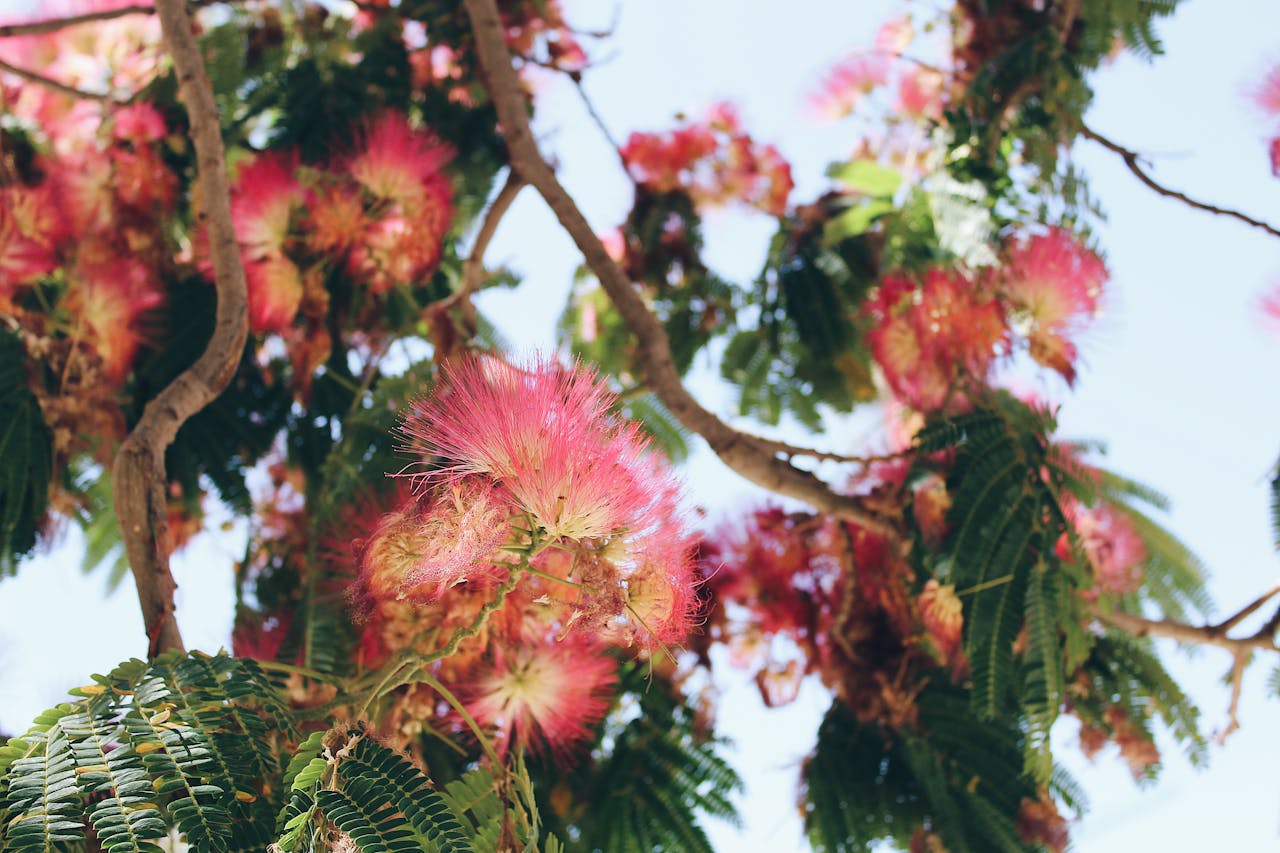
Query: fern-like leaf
43, 808
374, 828
401, 784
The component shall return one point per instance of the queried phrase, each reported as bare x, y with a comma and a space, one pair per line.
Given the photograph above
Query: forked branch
746, 454
139, 474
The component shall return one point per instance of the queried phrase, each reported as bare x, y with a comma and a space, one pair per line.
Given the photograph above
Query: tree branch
473, 267
139, 474
744, 453
1248, 610
1263, 639
1131, 159
50, 25
55, 85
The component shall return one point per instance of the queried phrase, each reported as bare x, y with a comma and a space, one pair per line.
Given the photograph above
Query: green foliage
347, 781
805, 348
959, 776
26, 455
186, 742
1124, 672
1005, 523
655, 778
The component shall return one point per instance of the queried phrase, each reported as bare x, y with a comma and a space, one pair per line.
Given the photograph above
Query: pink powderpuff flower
395, 162
29, 230
542, 696
895, 35
1273, 153
425, 549
934, 337
139, 123
1114, 548
1267, 93
919, 93
1270, 307
544, 433
1057, 284
847, 83
275, 292
111, 294
264, 202
403, 170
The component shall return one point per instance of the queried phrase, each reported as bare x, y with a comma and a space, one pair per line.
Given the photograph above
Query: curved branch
57, 86
139, 474
1131, 160
744, 453
473, 267
51, 25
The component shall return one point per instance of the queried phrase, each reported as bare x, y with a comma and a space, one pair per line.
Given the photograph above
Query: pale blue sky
1179, 377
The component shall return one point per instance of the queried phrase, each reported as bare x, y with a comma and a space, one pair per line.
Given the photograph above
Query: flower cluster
526, 475
936, 338
1053, 284
801, 594
715, 161
902, 95
379, 213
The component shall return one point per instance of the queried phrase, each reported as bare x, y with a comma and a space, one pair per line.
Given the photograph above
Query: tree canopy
241, 247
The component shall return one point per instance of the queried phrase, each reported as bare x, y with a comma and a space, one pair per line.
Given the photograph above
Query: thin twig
742, 452
1132, 160
599, 122
50, 25
1238, 664
139, 472
473, 267
57, 86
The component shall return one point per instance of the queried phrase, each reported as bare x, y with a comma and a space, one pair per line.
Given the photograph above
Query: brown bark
750, 456
139, 487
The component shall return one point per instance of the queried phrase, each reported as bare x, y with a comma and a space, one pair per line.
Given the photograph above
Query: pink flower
112, 294
275, 291
140, 123
544, 433
1057, 284
919, 93
425, 548
544, 444
715, 161
1267, 93
264, 202
1114, 548
396, 162
1270, 305
542, 695
26, 247
847, 83
403, 170
895, 35
933, 338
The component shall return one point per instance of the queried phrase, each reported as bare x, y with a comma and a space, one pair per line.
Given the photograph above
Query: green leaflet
26, 455
955, 773
181, 743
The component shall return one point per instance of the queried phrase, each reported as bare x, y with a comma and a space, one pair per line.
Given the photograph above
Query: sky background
1179, 376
